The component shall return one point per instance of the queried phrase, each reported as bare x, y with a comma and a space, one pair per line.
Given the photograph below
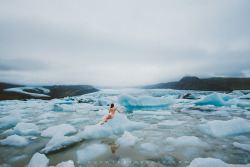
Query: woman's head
112, 105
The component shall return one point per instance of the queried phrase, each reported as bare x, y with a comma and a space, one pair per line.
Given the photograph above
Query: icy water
155, 128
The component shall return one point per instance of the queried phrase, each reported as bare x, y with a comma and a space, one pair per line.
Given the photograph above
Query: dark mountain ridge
208, 84
56, 91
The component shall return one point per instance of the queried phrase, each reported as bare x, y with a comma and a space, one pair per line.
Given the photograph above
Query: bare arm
109, 110
118, 111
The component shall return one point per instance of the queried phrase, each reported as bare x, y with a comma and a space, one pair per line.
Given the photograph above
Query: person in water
111, 113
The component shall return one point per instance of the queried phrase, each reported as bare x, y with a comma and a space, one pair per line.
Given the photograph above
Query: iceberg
90, 152
213, 99
68, 163
118, 124
15, 140
9, 121
245, 147
209, 162
38, 160
247, 96
63, 108
65, 129
144, 102
170, 123
77, 121
218, 128
186, 141
59, 141
127, 139
149, 148
26, 129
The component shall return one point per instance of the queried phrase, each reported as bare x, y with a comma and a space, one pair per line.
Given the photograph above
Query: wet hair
112, 105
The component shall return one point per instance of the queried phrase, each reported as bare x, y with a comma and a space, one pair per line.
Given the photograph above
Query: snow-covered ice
68, 163
38, 160
218, 128
64, 129
26, 129
15, 140
118, 124
22, 90
186, 141
127, 139
149, 148
245, 147
9, 121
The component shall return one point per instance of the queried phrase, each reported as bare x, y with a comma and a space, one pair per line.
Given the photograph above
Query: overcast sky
122, 43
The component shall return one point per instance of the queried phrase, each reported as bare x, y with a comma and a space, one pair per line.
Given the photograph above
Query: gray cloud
122, 43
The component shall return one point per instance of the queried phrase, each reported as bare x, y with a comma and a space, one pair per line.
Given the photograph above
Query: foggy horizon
122, 43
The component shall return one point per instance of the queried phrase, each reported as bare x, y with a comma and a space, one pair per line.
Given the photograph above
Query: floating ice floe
213, 99
38, 160
245, 147
102, 102
212, 162
186, 141
26, 129
170, 123
118, 124
78, 121
164, 113
149, 148
15, 140
68, 163
247, 96
127, 139
218, 128
64, 129
9, 121
63, 108
90, 152
144, 102
59, 141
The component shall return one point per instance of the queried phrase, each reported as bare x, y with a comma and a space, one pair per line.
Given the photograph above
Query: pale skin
110, 115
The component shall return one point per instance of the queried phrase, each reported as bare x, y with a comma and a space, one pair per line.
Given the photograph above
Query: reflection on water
112, 145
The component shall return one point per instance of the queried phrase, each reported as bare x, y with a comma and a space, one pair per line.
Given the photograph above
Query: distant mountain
21, 92
209, 84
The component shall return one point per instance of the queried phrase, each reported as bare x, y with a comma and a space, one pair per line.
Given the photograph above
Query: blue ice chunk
213, 99
144, 102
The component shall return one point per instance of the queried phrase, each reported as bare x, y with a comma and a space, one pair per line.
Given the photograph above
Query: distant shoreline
21, 92
208, 84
